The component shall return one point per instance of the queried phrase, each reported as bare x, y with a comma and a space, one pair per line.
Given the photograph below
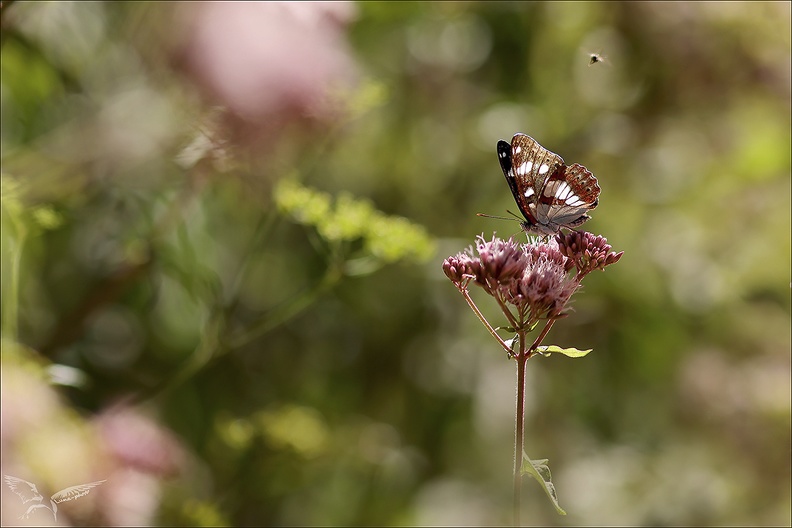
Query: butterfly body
550, 194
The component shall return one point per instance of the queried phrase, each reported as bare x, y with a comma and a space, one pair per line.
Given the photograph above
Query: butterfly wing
505, 158
528, 166
567, 195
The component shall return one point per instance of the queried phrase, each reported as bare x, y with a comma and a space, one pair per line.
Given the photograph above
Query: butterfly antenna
495, 217
517, 218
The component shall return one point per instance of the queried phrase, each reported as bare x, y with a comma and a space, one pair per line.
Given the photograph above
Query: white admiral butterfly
550, 195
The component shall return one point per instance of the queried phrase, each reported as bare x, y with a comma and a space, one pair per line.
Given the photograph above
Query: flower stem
541, 337
506, 311
481, 317
519, 434
552, 321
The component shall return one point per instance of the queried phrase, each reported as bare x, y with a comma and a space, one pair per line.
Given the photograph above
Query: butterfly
550, 194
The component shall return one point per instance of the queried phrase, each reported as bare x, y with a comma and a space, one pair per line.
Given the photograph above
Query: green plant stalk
519, 434
294, 308
11, 304
507, 312
262, 231
541, 337
484, 321
552, 320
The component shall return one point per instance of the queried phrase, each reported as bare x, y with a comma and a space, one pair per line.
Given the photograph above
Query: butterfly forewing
532, 165
550, 195
504, 157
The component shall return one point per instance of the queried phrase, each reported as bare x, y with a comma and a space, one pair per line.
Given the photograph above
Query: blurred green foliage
272, 294
384, 238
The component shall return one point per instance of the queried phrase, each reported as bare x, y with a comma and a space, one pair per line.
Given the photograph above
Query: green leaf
569, 352
539, 470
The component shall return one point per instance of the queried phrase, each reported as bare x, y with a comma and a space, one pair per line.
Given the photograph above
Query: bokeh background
222, 230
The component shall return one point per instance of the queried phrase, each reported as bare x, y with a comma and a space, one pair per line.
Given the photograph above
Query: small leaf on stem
539, 470
569, 352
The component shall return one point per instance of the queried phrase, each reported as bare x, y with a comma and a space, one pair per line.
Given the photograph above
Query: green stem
11, 306
551, 322
519, 434
542, 335
262, 231
270, 321
208, 349
507, 312
484, 321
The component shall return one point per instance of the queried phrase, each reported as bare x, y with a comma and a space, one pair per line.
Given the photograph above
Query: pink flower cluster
532, 277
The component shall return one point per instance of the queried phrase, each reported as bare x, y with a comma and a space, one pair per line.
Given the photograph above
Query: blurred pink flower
263, 58
136, 441
141, 454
